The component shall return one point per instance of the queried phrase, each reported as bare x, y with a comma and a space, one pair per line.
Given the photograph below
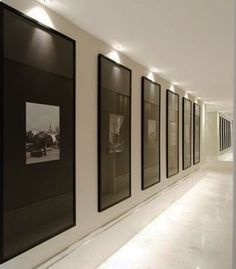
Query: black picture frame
225, 129
227, 133
220, 132
196, 134
223, 135
170, 135
185, 114
150, 132
29, 210
114, 120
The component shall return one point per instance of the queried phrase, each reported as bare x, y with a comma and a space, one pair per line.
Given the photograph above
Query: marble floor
194, 233
226, 157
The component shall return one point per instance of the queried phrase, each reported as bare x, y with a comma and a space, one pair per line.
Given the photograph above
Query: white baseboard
91, 251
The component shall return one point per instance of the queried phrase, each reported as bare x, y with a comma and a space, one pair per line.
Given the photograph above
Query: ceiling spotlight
154, 70
175, 83
119, 47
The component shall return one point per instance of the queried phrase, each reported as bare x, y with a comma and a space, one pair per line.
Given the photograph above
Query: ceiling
190, 42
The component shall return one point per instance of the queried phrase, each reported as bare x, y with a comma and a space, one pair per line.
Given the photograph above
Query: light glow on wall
203, 116
172, 88
197, 99
114, 55
39, 14
151, 76
186, 95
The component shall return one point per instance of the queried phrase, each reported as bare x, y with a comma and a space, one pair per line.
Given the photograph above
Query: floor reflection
195, 232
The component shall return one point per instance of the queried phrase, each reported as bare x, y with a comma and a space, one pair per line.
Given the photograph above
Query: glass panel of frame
150, 133
172, 133
224, 147
196, 134
38, 133
187, 133
220, 131
227, 134
114, 133
223, 134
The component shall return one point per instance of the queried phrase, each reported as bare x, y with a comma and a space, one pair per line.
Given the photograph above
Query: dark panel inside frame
223, 133
114, 133
38, 156
151, 94
187, 133
172, 133
196, 133
220, 132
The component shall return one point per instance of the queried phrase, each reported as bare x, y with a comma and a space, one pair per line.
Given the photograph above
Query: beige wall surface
212, 134
87, 217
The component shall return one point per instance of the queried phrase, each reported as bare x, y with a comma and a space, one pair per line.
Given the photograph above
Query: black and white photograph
116, 133
42, 133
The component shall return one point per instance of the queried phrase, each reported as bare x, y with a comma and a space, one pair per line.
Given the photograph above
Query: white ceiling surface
190, 41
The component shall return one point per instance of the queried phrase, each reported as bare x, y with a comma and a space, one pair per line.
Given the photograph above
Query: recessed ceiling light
175, 83
119, 47
47, 1
154, 70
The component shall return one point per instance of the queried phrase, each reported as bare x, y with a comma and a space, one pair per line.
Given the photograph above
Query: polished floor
194, 233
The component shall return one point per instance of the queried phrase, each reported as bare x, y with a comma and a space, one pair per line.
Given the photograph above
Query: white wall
88, 218
212, 135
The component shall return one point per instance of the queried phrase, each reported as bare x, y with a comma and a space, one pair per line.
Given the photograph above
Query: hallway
194, 233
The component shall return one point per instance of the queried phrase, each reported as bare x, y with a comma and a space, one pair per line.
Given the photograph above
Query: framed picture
172, 133
223, 131
220, 132
151, 102
114, 133
187, 133
196, 134
37, 133
227, 134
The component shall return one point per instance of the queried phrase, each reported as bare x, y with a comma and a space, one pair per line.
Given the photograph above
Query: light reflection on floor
194, 233
226, 157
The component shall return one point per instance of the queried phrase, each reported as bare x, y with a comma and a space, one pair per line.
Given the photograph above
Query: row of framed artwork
114, 133
225, 133
37, 139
